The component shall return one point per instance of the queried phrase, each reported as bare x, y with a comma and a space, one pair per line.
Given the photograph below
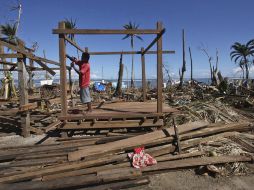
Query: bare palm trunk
191, 65
132, 63
246, 68
19, 15
181, 73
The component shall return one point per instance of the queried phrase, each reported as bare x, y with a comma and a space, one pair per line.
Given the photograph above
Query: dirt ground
187, 179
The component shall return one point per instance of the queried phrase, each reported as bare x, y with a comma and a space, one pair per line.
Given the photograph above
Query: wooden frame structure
159, 31
22, 53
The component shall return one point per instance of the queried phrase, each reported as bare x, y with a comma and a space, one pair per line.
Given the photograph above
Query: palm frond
127, 36
9, 30
139, 37
70, 24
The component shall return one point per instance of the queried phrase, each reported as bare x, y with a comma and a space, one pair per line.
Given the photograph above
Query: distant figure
84, 78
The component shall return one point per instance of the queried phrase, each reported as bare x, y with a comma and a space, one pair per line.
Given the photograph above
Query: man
84, 79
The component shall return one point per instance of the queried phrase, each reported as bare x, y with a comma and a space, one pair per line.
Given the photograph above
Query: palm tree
9, 30
132, 26
71, 24
241, 53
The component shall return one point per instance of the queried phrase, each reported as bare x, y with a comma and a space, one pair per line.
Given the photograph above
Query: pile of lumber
101, 162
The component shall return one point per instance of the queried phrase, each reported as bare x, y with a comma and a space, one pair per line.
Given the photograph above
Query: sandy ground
187, 179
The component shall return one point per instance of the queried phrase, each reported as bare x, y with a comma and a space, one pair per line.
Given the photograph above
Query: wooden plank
60, 168
120, 185
113, 124
76, 181
10, 55
105, 31
180, 156
52, 126
143, 67
133, 141
28, 106
92, 170
193, 162
45, 67
101, 116
159, 70
62, 60
158, 37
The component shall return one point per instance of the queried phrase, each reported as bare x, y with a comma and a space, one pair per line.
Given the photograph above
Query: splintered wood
101, 161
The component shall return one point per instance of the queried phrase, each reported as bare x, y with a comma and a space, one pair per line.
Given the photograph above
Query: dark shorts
85, 95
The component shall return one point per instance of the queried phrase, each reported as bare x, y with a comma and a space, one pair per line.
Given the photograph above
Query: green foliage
70, 24
9, 30
131, 26
241, 53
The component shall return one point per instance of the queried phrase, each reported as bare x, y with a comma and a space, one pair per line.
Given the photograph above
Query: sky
213, 24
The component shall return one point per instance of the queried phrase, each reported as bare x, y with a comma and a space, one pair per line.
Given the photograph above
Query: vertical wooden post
30, 74
143, 74
23, 98
62, 61
159, 71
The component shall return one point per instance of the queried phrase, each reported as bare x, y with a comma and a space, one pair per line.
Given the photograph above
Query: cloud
94, 75
238, 70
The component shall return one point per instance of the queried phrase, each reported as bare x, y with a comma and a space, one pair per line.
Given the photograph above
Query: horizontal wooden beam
155, 40
42, 69
129, 52
114, 124
108, 116
105, 31
10, 55
8, 63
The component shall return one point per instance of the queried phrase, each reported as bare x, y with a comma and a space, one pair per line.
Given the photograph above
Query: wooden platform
118, 115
